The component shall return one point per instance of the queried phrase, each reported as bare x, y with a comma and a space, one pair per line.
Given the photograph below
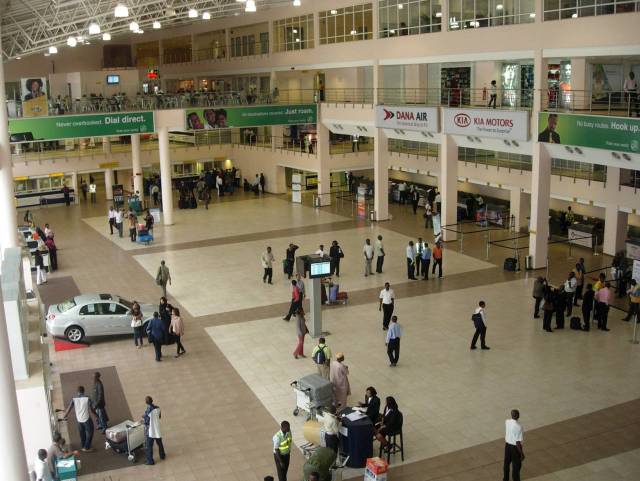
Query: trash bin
372, 215
528, 263
316, 201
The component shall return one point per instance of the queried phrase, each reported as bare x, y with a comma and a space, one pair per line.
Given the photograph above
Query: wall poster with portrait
34, 97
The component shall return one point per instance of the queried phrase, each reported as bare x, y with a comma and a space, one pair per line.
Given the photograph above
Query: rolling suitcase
510, 264
118, 433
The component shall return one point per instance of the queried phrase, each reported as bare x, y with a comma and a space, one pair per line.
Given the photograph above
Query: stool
393, 447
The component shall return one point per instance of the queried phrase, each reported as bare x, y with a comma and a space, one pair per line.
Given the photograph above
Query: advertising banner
34, 97
498, 124
407, 118
209, 118
595, 131
76, 126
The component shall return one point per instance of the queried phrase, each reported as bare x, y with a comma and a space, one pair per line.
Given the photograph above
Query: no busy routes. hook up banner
210, 118
77, 126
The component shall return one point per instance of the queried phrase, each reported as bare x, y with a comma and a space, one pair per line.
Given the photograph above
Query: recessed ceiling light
106, 36
193, 13
499, 6
334, 12
206, 16
94, 28
72, 42
250, 6
121, 11
53, 50
133, 26
156, 25
532, 15
296, 3
400, 6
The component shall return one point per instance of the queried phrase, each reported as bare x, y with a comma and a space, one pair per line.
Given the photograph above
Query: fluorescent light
121, 11
334, 12
193, 13
250, 6
499, 6
94, 28
72, 42
53, 50
206, 16
106, 36
133, 26
297, 3
156, 25
439, 15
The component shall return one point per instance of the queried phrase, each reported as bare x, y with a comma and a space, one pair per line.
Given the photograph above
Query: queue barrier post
488, 237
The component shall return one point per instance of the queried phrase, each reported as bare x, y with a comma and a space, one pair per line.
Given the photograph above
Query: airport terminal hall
320, 240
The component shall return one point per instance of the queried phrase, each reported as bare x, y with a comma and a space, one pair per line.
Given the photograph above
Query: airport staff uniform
411, 261
393, 342
513, 436
80, 404
281, 453
380, 254
387, 297
267, 265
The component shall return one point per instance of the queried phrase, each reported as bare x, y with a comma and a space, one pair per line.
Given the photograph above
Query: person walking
84, 188
538, 293
587, 306
81, 404
133, 221
136, 324
177, 329
118, 220
290, 259
111, 216
301, 288
415, 198
513, 452
387, 299
98, 402
339, 374
41, 272
156, 334
321, 356
163, 276
493, 94
296, 300
425, 260
282, 442
53, 252
480, 322
262, 182
155, 194
634, 301
92, 191
152, 432
411, 261
393, 341
428, 216
437, 259
631, 90
419, 246
602, 297
301, 331
548, 309
267, 264
379, 255
367, 252
335, 254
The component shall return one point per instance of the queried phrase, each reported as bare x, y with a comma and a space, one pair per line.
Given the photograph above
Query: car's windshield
66, 305
124, 302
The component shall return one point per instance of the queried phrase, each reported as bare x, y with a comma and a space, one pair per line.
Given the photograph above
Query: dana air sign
407, 118
499, 124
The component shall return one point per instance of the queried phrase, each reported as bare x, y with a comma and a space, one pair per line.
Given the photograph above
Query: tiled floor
222, 401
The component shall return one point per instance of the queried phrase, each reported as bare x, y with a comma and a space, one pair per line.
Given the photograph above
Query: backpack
476, 318
320, 357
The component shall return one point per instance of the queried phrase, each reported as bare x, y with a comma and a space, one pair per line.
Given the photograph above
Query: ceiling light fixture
499, 6
133, 26
295, 30
18, 58
400, 6
297, 3
193, 13
250, 6
532, 15
53, 50
106, 36
439, 15
121, 11
298, 40
94, 28
72, 42
334, 12
80, 39
574, 15
206, 16
156, 25
353, 32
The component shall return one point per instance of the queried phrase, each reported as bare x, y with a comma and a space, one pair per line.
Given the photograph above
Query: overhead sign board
77, 126
407, 118
595, 131
209, 118
494, 123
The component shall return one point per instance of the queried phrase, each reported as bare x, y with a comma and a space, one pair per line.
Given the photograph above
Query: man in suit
549, 134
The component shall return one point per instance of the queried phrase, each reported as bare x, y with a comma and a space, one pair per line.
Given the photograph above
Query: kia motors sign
407, 118
500, 124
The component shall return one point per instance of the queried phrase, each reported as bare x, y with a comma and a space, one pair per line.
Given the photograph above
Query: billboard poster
222, 118
407, 118
34, 97
494, 123
77, 126
595, 131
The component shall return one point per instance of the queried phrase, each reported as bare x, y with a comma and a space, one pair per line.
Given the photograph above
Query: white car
93, 315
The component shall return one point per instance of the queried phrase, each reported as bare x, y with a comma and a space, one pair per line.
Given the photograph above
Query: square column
519, 207
74, 185
381, 175
136, 166
324, 171
615, 222
165, 176
540, 194
448, 185
377, 82
108, 184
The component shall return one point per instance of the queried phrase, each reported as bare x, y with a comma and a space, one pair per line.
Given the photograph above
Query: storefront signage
407, 118
78, 126
499, 124
209, 119
595, 131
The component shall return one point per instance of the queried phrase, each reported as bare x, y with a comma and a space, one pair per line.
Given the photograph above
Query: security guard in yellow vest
282, 441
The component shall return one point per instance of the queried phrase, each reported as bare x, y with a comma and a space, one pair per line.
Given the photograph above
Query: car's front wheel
74, 334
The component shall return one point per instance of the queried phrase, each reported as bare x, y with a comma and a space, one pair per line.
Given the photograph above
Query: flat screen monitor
320, 269
113, 79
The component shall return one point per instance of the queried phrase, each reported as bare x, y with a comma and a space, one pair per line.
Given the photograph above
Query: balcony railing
618, 103
456, 97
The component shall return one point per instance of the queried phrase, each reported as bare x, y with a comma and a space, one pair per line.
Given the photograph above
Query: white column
519, 207
108, 184
74, 186
324, 172
136, 165
539, 89
277, 134
444, 8
376, 18
540, 194
448, 181
165, 176
377, 82
227, 40
106, 146
380, 174
273, 80
8, 216
272, 41
615, 222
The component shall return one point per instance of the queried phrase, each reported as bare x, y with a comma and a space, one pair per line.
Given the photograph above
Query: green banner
210, 118
595, 131
77, 126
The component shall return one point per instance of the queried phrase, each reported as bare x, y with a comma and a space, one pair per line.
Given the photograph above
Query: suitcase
575, 323
118, 433
510, 264
333, 292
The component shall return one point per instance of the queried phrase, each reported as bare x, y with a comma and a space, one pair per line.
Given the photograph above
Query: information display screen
320, 269
113, 79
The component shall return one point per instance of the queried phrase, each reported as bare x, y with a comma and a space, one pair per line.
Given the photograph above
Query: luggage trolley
312, 393
126, 437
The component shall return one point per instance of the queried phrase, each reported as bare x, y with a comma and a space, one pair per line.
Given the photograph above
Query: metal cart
312, 393
135, 439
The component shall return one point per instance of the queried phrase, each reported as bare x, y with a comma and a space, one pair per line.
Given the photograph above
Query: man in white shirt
411, 261
267, 264
152, 431
570, 290
92, 190
479, 321
419, 247
367, 252
402, 189
118, 221
41, 467
387, 298
111, 215
320, 251
81, 403
393, 341
631, 89
380, 254
513, 452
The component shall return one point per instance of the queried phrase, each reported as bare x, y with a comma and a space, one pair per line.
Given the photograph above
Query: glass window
346, 24
90, 310
567, 9
295, 33
409, 17
465, 14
